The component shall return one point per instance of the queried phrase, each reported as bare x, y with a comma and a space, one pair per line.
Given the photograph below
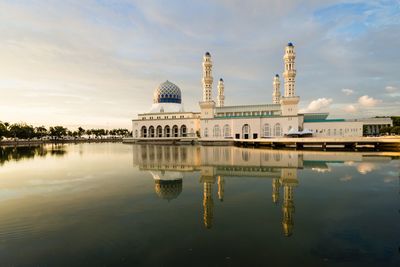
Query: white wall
335, 128
256, 127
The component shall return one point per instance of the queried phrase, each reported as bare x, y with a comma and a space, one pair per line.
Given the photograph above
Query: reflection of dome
168, 189
167, 92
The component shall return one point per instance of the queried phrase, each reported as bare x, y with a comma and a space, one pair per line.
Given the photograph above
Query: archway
183, 131
246, 131
151, 131
159, 131
175, 131
167, 131
143, 132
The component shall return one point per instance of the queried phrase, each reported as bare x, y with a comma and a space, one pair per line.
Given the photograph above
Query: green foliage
25, 131
396, 120
40, 132
385, 130
3, 130
395, 130
21, 131
57, 132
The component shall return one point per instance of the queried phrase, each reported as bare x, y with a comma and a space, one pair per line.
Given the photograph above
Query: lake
113, 204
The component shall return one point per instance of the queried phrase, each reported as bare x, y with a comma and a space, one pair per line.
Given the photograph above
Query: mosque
168, 121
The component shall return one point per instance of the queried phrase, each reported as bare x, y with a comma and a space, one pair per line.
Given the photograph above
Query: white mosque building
168, 121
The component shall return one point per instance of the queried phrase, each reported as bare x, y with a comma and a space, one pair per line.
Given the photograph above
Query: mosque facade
167, 119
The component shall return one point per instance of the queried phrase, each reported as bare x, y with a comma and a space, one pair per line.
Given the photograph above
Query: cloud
350, 108
317, 105
347, 91
391, 89
55, 45
367, 101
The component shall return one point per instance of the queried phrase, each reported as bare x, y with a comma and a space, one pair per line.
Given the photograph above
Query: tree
396, 120
21, 131
57, 132
40, 132
395, 130
3, 130
81, 131
385, 130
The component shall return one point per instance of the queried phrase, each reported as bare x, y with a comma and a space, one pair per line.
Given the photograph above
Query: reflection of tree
24, 152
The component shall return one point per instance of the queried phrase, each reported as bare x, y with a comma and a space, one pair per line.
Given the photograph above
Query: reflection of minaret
289, 180
275, 190
208, 203
221, 183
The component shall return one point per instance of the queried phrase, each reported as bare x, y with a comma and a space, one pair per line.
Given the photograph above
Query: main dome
167, 92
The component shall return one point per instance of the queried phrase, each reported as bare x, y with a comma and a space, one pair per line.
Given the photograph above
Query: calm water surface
115, 205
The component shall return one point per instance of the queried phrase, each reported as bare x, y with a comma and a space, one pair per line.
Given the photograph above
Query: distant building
167, 119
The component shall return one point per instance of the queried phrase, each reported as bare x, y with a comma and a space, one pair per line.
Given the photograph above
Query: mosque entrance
246, 131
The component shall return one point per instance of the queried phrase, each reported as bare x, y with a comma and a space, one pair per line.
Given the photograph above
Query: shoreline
67, 141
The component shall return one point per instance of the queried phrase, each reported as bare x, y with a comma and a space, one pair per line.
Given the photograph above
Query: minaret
208, 203
221, 96
275, 190
289, 181
289, 74
207, 78
221, 183
207, 105
276, 94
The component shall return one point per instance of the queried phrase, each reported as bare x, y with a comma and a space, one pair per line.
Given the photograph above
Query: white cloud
391, 89
347, 91
317, 105
367, 101
350, 109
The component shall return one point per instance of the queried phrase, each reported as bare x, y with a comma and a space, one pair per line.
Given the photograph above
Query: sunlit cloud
318, 105
367, 101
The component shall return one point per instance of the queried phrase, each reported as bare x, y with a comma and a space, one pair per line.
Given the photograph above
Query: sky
96, 63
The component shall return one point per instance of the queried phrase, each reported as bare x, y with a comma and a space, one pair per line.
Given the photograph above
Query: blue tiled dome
167, 92
290, 44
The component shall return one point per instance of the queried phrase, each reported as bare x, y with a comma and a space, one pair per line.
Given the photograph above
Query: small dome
168, 189
167, 92
208, 54
290, 44
277, 75
221, 80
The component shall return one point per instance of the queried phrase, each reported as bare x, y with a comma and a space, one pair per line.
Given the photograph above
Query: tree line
395, 129
25, 131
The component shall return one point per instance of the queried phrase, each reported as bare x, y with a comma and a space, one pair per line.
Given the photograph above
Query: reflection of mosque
169, 163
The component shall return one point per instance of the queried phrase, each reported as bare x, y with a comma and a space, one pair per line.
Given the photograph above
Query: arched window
205, 132
167, 131
159, 131
216, 132
151, 131
183, 131
277, 130
266, 130
227, 130
143, 132
175, 131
